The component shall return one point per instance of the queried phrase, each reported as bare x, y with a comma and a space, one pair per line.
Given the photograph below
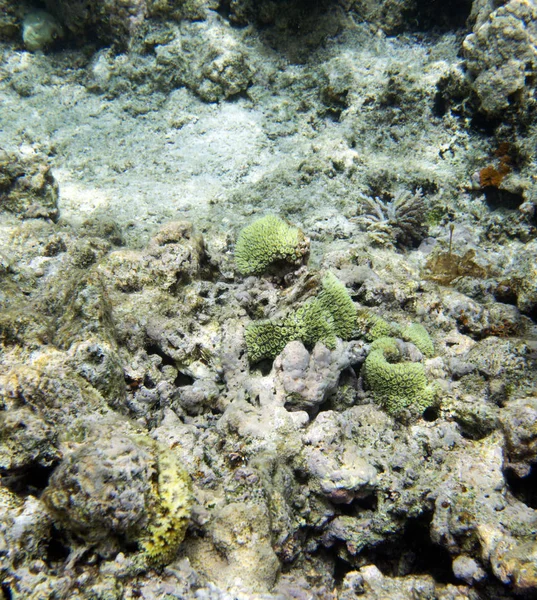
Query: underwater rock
520, 278
519, 424
25, 527
308, 379
11, 14
339, 470
122, 488
241, 533
26, 440
210, 61
112, 21
500, 53
40, 30
102, 490
28, 187
513, 561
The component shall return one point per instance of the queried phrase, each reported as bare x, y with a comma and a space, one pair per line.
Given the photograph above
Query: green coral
371, 326
400, 387
330, 315
269, 241
417, 335
335, 299
169, 520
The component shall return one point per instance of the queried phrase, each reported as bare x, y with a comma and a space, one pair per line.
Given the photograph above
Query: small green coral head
400, 387
267, 243
371, 326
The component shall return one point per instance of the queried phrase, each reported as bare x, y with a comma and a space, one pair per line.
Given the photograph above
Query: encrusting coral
400, 387
269, 241
331, 314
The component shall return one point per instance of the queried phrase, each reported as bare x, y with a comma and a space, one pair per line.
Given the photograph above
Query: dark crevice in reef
359, 505
30, 481
57, 549
166, 360
182, 380
497, 198
440, 15
523, 488
411, 553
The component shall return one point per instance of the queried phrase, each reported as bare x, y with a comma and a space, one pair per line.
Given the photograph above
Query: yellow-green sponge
269, 241
169, 519
400, 387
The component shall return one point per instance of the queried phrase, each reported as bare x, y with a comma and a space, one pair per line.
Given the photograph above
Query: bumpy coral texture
418, 335
102, 490
267, 241
400, 387
123, 488
371, 326
331, 314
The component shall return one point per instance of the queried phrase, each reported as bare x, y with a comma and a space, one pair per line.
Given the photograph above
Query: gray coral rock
102, 489
501, 56
211, 62
26, 440
340, 470
307, 380
519, 424
28, 187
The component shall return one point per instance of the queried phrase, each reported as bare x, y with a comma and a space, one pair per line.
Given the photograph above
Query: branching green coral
331, 314
399, 387
168, 523
417, 334
269, 241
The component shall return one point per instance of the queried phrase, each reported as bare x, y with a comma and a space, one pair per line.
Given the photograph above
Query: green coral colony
399, 386
269, 241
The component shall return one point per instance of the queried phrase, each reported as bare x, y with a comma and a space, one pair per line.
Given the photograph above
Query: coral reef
387, 447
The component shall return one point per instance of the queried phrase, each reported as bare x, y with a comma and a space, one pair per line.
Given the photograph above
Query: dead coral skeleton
398, 222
